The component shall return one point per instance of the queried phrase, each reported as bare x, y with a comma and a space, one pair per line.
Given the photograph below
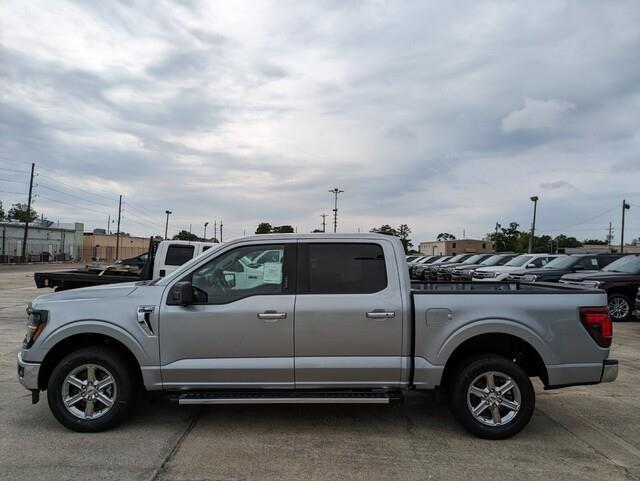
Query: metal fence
38, 251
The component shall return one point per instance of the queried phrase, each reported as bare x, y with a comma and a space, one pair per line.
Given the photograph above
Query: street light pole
335, 193
205, 230
534, 199
166, 225
625, 206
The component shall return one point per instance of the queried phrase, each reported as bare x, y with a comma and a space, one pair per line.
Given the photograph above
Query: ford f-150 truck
332, 318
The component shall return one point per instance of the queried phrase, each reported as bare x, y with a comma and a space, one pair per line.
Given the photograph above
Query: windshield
627, 264
474, 259
442, 259
562, 262
518, 261
491, 261
458, 258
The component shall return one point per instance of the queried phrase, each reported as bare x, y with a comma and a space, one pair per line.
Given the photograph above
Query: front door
349, 315
239, 332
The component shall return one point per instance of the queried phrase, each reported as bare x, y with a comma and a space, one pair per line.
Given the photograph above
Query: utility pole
220, 231
625, 206
324, 222
335, 191
23, 257
118, 232
215, 230
534, 199
205, 230
610, 236
166, 225
109, 224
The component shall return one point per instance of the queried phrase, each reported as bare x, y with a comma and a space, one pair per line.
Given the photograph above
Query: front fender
89, 326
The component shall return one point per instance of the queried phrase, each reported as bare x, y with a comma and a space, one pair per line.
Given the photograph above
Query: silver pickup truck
320, 319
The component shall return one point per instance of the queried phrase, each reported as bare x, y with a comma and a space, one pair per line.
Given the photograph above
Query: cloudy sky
447, 116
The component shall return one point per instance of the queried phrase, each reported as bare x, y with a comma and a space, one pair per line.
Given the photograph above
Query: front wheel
90, 390
620, 307
492, 397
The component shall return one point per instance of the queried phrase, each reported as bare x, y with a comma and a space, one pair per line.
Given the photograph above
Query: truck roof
319, 235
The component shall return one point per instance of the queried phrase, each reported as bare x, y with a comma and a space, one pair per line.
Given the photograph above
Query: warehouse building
455, 247
100, 246
47, 241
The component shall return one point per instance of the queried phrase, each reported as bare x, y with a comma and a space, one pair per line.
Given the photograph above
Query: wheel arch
506, 344
73, 342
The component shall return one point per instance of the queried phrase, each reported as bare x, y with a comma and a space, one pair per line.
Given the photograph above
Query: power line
10, 192
73, 195
68, 203
14, 181
112, 199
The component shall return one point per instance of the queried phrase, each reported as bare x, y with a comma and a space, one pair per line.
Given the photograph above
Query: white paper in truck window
272, 273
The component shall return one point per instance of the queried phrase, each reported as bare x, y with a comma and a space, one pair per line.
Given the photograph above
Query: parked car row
617, 274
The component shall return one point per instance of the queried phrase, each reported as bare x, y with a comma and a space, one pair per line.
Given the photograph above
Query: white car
524, 261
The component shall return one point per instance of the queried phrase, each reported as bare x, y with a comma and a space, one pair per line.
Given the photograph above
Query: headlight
35, 324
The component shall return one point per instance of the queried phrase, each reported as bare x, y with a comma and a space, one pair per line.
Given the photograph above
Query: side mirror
578, 268
530, 266
230, 279
181, 294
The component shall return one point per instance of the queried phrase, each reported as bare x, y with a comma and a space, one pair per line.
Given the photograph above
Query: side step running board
289, 398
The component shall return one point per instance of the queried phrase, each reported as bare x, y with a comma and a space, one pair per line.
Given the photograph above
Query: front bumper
28, 373
609, 370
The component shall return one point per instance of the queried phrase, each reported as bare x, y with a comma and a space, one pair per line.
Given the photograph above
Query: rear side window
178, 254
590, 263
347, 268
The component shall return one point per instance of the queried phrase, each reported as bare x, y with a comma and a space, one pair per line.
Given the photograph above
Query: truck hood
85, 293
596, 276
499, 269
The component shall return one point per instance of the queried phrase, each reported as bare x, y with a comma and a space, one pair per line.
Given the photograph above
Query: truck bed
418, 287
72, 279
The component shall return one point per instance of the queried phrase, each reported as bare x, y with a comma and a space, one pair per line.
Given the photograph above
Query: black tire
460, 399
615, 301
122, 390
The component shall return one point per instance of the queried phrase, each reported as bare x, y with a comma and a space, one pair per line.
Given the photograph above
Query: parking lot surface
579, 433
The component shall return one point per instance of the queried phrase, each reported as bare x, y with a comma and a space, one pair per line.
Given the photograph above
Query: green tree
19, 212
508, 239
1, 211
282, 229
595, 242
186, 235
264, 228
404, 231
385, 229
444, 236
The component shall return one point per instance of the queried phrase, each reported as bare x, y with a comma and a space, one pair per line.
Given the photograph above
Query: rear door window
178, 254
341, 268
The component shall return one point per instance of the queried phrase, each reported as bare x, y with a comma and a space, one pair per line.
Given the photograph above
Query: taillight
598, 324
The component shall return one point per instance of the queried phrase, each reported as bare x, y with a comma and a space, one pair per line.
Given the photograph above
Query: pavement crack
171, 454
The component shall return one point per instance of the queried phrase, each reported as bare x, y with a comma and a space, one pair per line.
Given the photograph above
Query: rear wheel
492, 397
620, 307
90, 390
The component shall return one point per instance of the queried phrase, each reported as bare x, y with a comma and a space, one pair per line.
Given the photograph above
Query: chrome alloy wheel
89, 391
493, 398
619, 308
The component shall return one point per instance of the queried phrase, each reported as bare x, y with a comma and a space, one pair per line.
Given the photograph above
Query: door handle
380, 315
272, 315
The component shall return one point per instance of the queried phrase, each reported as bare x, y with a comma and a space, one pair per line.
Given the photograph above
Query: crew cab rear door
348, 315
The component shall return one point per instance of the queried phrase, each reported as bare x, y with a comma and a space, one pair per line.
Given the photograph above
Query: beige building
455, 247
100, 246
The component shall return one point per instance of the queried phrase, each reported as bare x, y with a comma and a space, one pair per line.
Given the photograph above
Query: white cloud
537, 115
